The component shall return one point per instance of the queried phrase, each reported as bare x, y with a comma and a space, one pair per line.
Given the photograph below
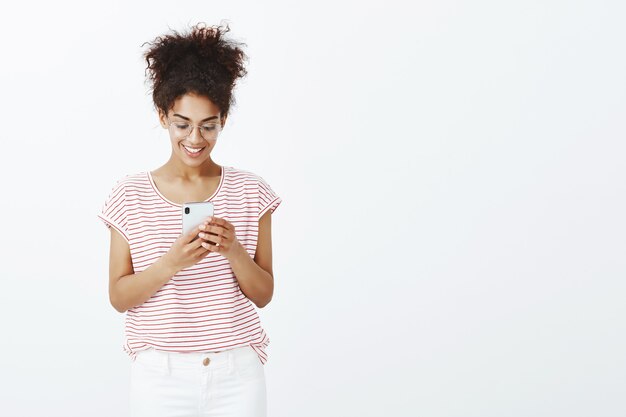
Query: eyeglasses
182, 129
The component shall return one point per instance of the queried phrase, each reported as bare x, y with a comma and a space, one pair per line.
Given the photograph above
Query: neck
176, 168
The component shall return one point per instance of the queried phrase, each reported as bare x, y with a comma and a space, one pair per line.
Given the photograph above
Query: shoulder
131, 180
245, 175
257, 187
126, 186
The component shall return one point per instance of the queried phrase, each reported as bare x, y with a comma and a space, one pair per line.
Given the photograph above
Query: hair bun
201, 61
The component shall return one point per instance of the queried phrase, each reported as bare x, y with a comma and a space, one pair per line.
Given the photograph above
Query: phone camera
186, 210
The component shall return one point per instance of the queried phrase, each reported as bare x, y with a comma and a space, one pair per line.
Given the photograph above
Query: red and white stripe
201, 308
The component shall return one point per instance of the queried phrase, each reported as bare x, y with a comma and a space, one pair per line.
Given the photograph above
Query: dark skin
181, 179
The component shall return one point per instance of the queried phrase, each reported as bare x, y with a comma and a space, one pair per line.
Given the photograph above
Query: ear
223, 121
162, 119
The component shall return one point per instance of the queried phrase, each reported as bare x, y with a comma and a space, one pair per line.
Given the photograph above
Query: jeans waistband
192, 360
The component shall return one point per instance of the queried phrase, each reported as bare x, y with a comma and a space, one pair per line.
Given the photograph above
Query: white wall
452, 235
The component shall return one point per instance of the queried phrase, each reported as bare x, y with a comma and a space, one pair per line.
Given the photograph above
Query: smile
192, 151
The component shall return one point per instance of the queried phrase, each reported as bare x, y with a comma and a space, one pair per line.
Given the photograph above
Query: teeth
193, 150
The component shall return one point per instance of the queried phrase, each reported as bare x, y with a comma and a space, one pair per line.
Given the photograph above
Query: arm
127, 289
255, 277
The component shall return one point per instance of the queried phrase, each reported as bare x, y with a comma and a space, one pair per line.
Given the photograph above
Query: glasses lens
209, 131
180, 129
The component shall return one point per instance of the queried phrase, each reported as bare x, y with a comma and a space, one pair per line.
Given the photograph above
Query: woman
192, 332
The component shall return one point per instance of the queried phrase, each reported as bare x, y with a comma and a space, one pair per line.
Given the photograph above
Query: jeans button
206, 361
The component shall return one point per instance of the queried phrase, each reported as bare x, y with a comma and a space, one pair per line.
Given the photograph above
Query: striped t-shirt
201, 308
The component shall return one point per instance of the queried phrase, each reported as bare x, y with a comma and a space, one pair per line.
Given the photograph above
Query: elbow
119, 309
116, 305
264, 299
263, 303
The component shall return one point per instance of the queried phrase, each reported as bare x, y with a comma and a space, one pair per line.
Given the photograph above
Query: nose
195, 136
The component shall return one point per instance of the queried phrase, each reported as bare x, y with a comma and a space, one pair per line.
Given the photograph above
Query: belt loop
231, 361
167, 363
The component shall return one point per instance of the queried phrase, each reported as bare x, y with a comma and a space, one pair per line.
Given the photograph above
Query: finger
214, 232
218, 221
211, 228
211, 247
201, 252
212, 239
191, 235
206, 228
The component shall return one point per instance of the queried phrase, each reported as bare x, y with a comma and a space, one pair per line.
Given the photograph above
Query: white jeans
204, 384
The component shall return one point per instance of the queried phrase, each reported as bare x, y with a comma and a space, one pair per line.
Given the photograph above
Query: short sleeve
113, 212
268, 199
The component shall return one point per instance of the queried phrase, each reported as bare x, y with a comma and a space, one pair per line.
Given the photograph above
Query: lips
190, 151
193, 150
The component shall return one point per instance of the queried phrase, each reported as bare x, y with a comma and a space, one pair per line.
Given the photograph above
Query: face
195, 110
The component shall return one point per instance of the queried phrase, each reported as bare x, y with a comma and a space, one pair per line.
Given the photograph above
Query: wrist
168, 269
240, 255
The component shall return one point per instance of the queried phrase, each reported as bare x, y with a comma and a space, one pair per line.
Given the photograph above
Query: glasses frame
193, 126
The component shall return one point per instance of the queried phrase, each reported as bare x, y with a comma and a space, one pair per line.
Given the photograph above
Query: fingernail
201, 227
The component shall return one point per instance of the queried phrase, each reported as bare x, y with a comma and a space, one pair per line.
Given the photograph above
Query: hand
219, 236
185, 252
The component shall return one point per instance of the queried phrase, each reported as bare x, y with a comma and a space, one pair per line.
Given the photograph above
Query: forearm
133, 290
256, 283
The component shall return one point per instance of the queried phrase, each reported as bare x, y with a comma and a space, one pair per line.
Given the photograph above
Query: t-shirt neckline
217, 190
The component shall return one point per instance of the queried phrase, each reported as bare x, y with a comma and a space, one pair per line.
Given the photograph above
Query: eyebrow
187, 118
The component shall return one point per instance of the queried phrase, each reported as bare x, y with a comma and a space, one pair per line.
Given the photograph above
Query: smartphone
195, 214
